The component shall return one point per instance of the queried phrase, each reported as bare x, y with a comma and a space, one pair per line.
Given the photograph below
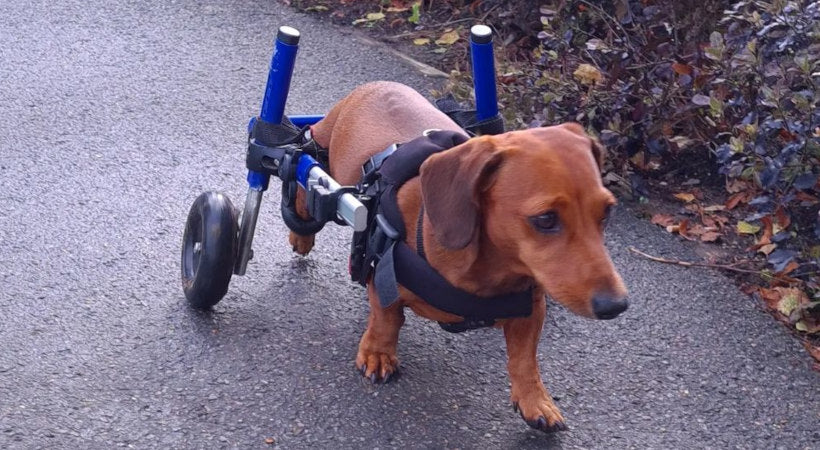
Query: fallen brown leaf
735, 185
663, 220
736, 199
448, 38
685, 197
709, 221
720, 219
767, 248
814, 351
766, 237
749, 289
783, 218
771, 296
588, 74
683, 229
682, 69
790, 267
806, 198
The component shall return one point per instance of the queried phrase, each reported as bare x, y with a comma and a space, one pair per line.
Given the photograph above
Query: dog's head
533, 199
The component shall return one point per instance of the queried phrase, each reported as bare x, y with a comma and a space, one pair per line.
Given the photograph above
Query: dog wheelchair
217, 241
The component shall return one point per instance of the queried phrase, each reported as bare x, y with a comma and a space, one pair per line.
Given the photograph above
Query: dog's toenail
373, 377
515, 406
386, 377
542, 422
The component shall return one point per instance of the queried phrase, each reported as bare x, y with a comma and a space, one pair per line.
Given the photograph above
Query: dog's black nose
606, 307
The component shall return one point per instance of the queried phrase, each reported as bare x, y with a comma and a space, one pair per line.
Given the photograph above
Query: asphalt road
114, 115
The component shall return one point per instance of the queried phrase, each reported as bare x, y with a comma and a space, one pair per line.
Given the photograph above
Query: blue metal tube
276, 90
481, 54
279, 75
302, 120
306, 163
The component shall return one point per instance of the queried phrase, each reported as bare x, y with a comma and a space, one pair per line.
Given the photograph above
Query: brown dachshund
501, 213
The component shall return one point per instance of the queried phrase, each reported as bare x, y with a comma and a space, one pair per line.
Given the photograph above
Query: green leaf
747, 228
715, 107
415, 14
788, 303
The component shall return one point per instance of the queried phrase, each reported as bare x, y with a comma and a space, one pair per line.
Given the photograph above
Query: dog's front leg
528, 394
376, 358
301, 244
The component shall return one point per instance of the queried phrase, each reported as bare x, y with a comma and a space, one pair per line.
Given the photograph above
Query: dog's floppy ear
598, 150
451, 185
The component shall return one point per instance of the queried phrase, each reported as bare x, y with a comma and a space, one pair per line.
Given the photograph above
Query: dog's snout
605, 307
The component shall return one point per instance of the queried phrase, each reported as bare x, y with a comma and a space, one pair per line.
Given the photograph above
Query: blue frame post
483, 65
273, 109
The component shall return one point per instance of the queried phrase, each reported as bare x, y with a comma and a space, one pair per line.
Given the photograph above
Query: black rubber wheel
209, 248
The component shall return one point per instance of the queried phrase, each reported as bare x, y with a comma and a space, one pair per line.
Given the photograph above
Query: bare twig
692, 264
617, 23
487, 14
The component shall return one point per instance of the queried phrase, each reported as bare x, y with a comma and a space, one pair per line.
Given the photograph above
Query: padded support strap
274, 134
467, 118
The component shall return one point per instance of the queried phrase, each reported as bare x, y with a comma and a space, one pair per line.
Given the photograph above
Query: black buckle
382, 236
265, 159
372, 165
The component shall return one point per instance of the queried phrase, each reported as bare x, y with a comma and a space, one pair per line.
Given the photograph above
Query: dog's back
371, 118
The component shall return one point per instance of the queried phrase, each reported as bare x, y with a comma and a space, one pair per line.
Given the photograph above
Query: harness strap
413, 272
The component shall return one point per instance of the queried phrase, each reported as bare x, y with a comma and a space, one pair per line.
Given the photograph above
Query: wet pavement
116, 115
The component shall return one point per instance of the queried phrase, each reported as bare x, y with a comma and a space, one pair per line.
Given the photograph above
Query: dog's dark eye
547, 222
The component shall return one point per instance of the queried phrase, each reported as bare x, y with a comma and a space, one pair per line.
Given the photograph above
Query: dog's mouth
607, 316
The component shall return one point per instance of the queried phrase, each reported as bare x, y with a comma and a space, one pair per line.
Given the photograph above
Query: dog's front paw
540, 413
378, 367
301, 244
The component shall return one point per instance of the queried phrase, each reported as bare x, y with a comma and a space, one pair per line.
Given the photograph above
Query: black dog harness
380, 249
